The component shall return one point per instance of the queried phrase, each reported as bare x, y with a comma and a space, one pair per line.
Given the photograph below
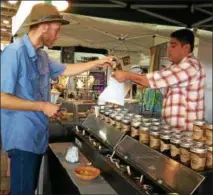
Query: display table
97, 186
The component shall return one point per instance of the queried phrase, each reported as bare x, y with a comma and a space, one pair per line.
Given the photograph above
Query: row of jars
179, 146
202, 132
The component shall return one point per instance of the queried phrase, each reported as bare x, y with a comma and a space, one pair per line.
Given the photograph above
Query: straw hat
44, 12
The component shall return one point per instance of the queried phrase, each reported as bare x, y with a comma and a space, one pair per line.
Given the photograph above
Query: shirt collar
30, 49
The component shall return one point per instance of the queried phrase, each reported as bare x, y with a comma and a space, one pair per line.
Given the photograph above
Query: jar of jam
198, 130
198, 158
175, 148
185, 152
112, 118
144, 135
125, 125
154, 137
187, 134
177, 135
165, 143
209, 157
135, 124
165, 131
208, 134
106, 116
118, 121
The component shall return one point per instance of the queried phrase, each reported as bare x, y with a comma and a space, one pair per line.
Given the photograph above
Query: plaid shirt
183, 100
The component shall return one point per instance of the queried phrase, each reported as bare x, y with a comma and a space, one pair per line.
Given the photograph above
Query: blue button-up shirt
26, 73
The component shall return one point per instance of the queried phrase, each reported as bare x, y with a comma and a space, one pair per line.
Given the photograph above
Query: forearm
139, 79
11, 102
74, 69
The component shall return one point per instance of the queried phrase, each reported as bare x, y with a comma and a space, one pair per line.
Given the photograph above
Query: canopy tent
119, 37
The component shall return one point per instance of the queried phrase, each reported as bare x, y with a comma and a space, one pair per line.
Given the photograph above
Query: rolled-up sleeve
9, 70
174, 76
56, 68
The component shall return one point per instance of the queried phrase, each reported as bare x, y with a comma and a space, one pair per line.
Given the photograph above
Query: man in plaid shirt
182, 81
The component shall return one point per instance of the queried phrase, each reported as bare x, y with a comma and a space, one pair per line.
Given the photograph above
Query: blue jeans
25, 168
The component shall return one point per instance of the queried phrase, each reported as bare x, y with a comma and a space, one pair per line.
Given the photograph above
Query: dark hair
185, 36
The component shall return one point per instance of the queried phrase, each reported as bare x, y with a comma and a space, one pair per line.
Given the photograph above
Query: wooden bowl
86, 173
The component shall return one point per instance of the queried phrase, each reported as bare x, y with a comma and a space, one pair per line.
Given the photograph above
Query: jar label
134, 132
125, 128
184, 155
164, 146
209, 160
208, 140
197, 162
144, 137
154, 142
197, 133
174, 150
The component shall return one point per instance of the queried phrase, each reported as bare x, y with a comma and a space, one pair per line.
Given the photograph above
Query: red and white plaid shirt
183, 100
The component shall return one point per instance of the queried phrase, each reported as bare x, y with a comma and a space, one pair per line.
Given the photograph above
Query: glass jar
185, 152
131, 115
135, 124
144, 135
208, 134
138, 117
147, 124
177, 135
187, 134
101, 115
106, 116
165, 143
154, 140
165, 131
209, 157
118, 119
112, 118
198, 130
175, 148
125, 125
198, 158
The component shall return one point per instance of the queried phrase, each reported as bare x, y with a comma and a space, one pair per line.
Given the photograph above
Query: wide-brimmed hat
44, 12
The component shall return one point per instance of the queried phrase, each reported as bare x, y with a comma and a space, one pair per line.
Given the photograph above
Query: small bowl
86, 173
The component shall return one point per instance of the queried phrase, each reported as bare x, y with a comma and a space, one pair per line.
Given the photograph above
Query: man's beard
46, 42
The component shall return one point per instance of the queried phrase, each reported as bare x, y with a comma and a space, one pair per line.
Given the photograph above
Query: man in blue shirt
26, 71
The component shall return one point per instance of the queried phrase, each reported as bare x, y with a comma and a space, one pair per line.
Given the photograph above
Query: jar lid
125, 120
154, 133
209, 148
165, 136
175, 130
186, 138
155, 128
118, 109
209, 126
199, 123
198, 150
107, 113
126, 110
136, 123
186, 144
156, 123
138, 116
130, 114
118, 117
156, 120
175, 141
102, 111
166, 131
166, 127
198, 144
176, 135
146, 124
144, 128
146, 119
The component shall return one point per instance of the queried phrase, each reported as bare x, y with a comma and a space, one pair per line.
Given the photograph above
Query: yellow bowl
86, 173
